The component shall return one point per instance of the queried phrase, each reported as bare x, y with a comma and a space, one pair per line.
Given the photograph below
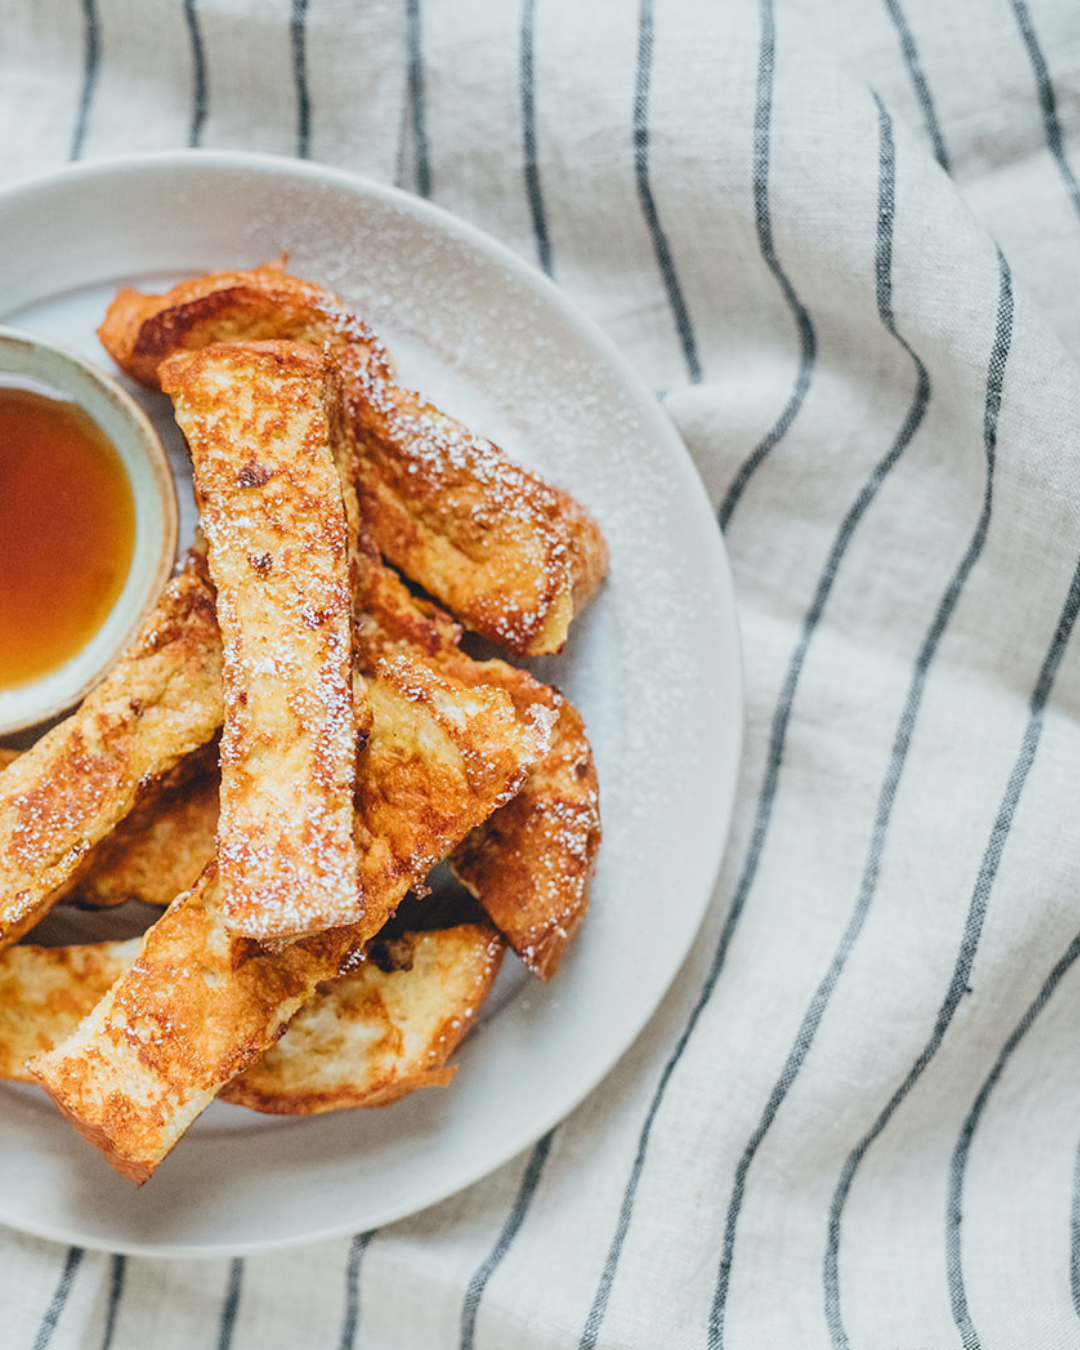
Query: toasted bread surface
259, 418
531, 863
139, 331
439, 753
473, 760
46, 991
371, 1037
161, 700
508, 553
159, 850
197, 1005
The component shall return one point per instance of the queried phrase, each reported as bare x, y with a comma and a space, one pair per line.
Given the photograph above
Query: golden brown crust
531, 863
197, 1006
258, 419
443, 752
159, 850
200, 1004
390, 619
140, 331
376, 1035
450, 742
99, 1136
45, 992
161, 700
511, 555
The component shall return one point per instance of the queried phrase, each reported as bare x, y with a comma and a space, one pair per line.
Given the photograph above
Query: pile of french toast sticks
293, 741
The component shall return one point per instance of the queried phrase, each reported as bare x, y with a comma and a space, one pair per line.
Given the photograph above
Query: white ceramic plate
653, 664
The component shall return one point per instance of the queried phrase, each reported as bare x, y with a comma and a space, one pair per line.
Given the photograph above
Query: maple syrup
67, 531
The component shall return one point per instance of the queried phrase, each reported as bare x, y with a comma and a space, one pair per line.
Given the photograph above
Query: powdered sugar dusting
256, 421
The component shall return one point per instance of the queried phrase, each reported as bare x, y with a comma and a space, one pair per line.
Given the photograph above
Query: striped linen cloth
841, 241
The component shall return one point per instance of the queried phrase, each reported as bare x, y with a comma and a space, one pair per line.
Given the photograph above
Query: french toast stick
200, 1003
529, 864
161, 701
364, 1039
262, 422
371, 1037
505, 551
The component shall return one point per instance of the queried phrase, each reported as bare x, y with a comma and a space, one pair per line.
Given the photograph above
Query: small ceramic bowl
26, 358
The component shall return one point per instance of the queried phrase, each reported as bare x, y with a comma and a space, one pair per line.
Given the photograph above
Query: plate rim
658, 424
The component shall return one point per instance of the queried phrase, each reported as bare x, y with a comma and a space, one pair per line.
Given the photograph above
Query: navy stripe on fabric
1047, 101
918, 80
298, 33
416, 98
91, 61
763, 221
351, 1318
116, 1289
475, 1292
958, 1165
977, 908
1074, 1238
528, 122
231, 1306
404, 127
661, 247
59, 1299
198, 61
812, 1018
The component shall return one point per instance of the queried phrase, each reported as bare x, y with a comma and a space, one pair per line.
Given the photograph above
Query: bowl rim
40, 363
